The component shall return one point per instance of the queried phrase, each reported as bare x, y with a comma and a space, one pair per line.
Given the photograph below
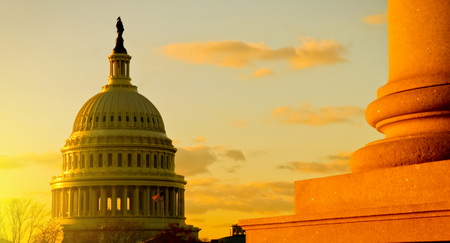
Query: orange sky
255, 94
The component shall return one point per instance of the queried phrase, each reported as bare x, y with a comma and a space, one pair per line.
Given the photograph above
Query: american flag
158, 197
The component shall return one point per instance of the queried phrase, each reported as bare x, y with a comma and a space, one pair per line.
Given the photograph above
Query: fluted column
124, 200
172, 202
146, 201
413, 108
113, 201
85, 202
136, 201
65, 202
79, 202
91, 201
166, 201
182, 203
102, 201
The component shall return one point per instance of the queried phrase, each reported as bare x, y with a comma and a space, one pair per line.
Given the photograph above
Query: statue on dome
119, 41
119, 26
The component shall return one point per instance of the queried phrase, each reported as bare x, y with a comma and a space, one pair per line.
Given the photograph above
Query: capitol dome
118, 108
117, 159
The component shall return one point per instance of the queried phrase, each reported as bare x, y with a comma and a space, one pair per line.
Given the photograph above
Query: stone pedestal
399, 190
401, 204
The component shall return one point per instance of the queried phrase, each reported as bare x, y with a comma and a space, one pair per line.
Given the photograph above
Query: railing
149, 174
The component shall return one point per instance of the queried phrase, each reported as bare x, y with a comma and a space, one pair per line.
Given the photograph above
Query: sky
254, 94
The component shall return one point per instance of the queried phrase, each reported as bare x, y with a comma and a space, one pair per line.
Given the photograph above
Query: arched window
109, 204
147, 160
91, 161
118, 203
83, 161
155, 161
162, 161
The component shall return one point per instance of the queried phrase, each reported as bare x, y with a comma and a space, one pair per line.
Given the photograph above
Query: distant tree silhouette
20, 218
175, 234
114, 231
49, 233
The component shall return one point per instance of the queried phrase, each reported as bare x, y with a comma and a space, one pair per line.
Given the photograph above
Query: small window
104, 118
147, 161
82, 161
112, 118
91, 161
127, 118
139, 163
135, 119
155, 161
96, 119
120, 118
142, 119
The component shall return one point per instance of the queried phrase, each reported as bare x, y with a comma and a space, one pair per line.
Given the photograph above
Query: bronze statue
119, 41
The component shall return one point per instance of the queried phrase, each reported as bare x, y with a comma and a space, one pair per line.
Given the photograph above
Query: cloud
199, 139
236, 155
306, 114
207, 194
312, 53
196, 160
238, 54
259, 73
376, 19
338, 164
50, 159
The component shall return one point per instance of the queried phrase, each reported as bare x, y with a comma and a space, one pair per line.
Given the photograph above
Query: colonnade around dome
117, 201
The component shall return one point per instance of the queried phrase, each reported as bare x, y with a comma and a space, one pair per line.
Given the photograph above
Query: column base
400, 204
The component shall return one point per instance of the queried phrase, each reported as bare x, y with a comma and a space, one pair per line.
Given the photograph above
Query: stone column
172, 202
85, 202
124, 200
79, 202
102, 201
166, 201
113, 200
413, 108
91, 201
136, 201
146, 201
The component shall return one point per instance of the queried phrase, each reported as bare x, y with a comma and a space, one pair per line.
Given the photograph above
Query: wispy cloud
199, 139
306, 114
238, 54
51, 159
376, 19
206, 194
196, 160
259, 73
338, 163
